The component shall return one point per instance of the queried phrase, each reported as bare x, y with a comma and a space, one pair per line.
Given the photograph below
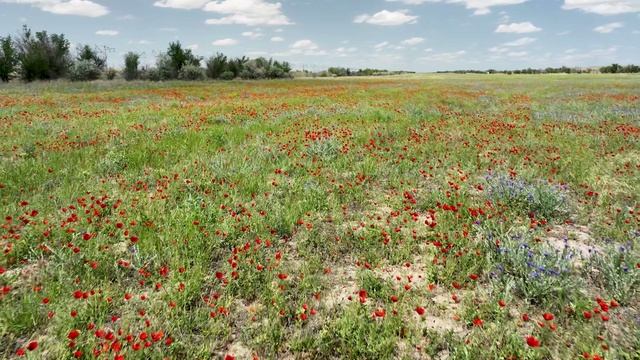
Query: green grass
199, 220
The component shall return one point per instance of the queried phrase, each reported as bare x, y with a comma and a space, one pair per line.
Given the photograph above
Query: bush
191, 73
617, 273
84, 70
110, 73
151, 74
227, 75
537, 273
87, 53
539, 199
131, 62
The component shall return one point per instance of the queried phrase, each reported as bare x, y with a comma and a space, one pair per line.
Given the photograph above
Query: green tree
8, 58
131, 62
42, 56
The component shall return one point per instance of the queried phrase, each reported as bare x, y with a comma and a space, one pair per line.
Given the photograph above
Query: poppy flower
379, 313
420, 310
532, 341
478, 322
587, 314
32, 345
502, 303
548, 316
73, 334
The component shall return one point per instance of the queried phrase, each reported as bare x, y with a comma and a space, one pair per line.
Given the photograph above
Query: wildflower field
416, 217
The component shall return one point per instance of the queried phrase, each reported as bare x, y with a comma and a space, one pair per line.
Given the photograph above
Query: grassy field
417, 217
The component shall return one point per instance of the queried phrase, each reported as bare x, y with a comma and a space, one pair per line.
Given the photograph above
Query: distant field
411, 217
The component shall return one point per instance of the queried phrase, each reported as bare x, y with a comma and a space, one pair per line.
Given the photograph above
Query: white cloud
608, 28
181, 4
306, 47
520, 42
381, 45
252, 34
603, 7
387, 18
247, 12
518, 28
193, 47
507, 48
225, 42
107, 32
277, 39
65, 7
413, 2
480, 7
413, 41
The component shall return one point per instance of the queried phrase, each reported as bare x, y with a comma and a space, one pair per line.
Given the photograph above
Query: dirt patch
575, 239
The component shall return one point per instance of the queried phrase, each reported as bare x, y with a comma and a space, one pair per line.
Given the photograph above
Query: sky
416, 35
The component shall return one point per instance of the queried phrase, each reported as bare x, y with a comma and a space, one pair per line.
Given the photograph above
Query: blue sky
419, 35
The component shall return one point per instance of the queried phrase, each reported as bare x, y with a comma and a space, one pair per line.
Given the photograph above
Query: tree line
611, 69
39, 55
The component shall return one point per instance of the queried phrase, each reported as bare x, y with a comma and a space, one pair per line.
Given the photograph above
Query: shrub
227, 75
539, 199
192, 73
166, 70
537, 272
131, 62
110, 73
87, 53
617, 272
8, 58
84, 70
151, 74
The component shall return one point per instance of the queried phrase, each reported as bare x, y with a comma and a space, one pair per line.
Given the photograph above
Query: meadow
410, 217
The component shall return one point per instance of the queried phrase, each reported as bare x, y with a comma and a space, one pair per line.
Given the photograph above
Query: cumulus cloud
277, 39
181, 4
412, 41
305, 47
107, 32
247, 12
225, 42
480, 7
520, 42
603, 7
387, 18
65, 7
252, 34
518, 28
608, 28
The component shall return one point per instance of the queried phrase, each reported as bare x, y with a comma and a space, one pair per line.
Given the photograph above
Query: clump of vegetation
537, 199
131, 63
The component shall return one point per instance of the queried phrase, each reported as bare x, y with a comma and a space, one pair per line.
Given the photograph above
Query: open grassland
433, 217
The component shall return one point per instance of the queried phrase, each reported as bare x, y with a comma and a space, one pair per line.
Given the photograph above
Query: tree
131, 62
8, 58
179, 57
86, 53
42, 56
216, 66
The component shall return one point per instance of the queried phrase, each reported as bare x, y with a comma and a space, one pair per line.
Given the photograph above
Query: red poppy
548, 316
32, 345
587, 314
73, 334
420, 310
478, 322
532, 341
379, 313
